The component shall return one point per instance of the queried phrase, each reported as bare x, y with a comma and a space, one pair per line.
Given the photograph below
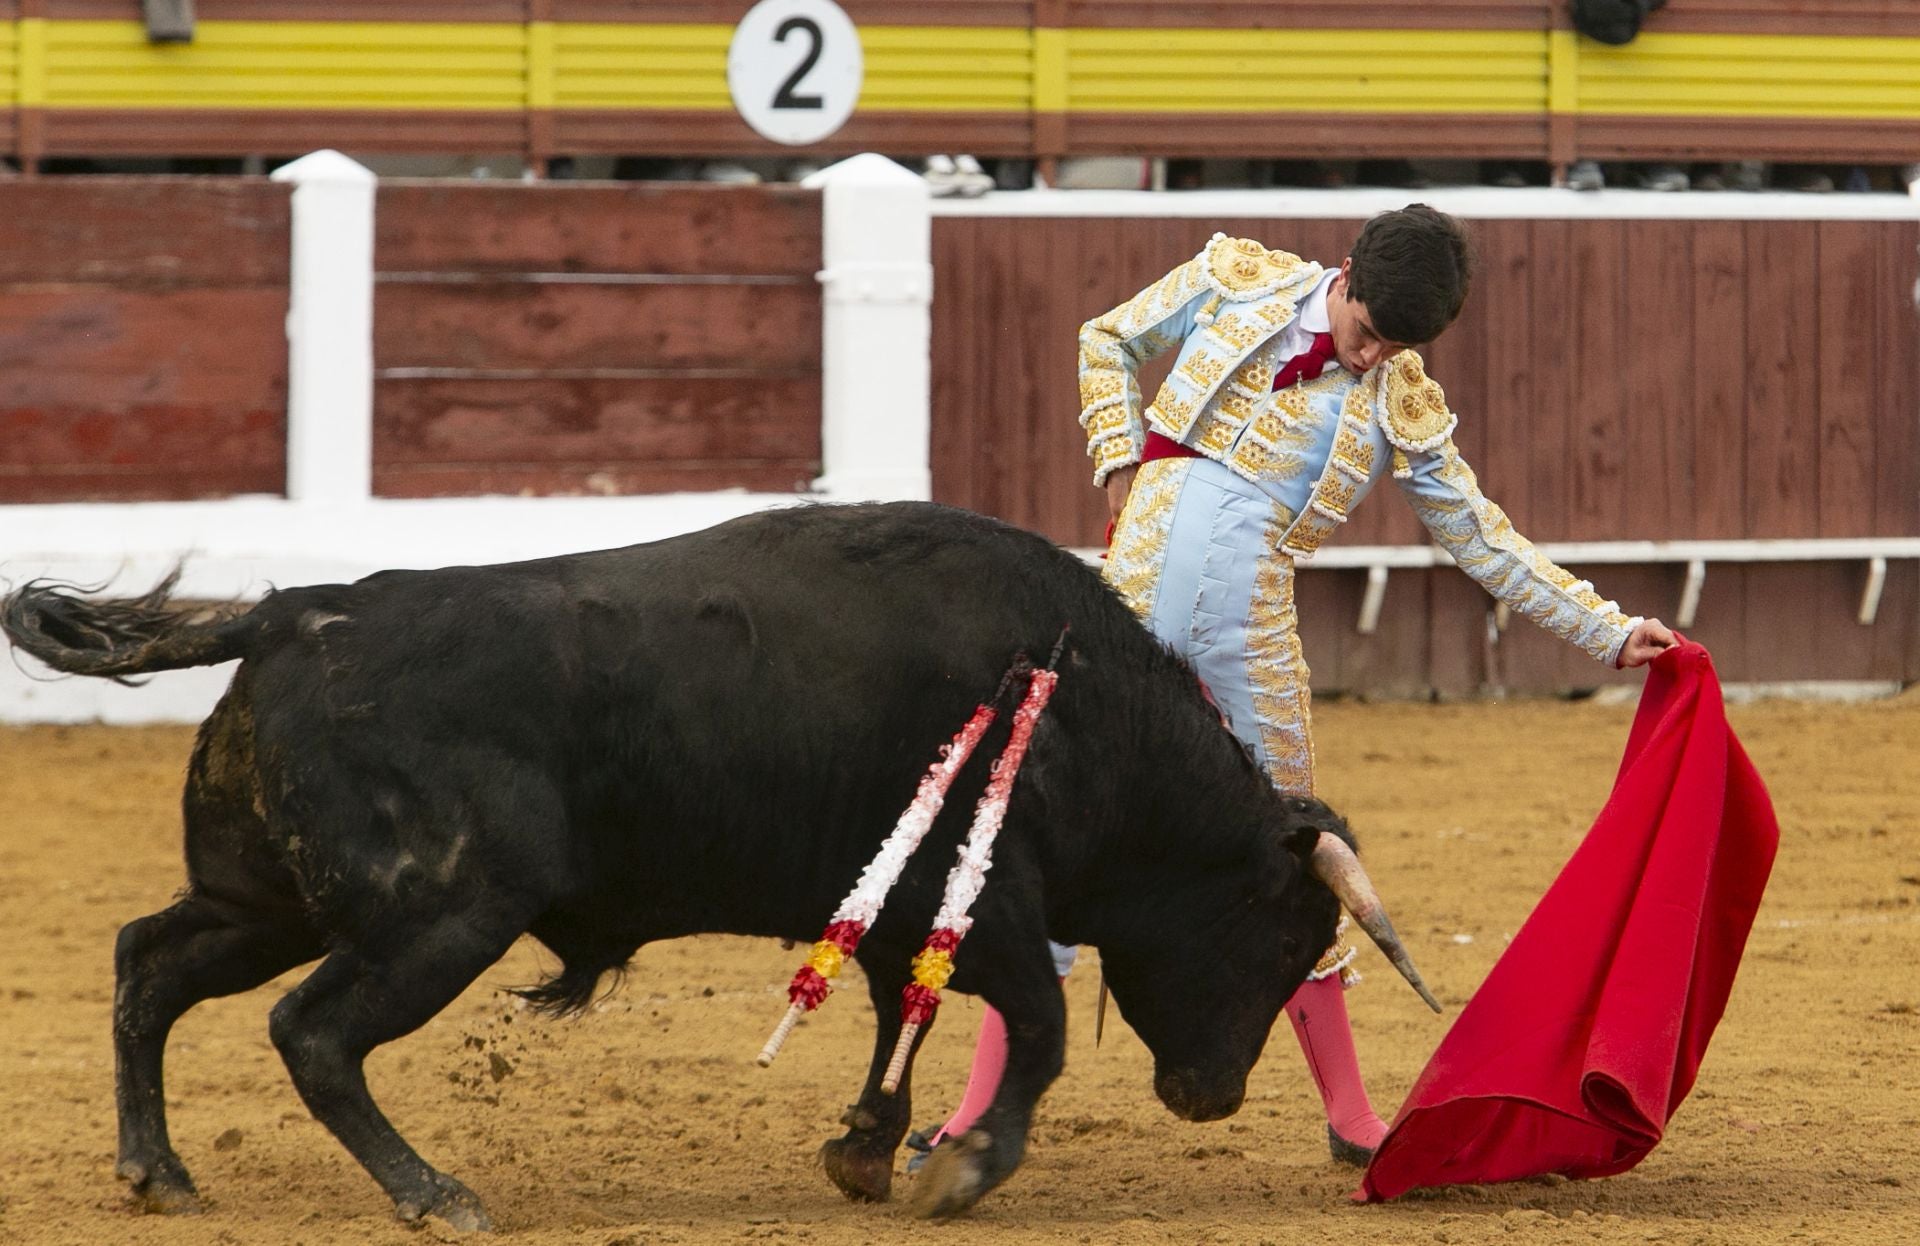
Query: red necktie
1308, 364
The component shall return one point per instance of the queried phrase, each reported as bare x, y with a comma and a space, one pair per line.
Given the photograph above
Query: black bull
709, 733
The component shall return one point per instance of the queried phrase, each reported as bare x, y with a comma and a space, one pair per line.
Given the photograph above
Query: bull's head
1203, 999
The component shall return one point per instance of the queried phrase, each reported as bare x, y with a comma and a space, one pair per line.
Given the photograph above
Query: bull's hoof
162, 1189
953, 1178
860, 1175
447, 1200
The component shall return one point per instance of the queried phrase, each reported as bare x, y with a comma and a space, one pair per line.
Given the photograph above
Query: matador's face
1356, 344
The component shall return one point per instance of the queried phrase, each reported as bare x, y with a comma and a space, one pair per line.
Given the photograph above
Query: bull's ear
1304, 821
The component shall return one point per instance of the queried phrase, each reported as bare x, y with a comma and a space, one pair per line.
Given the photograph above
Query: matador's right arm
1113, 346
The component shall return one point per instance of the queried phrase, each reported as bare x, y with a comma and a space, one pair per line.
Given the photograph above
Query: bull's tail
114, 638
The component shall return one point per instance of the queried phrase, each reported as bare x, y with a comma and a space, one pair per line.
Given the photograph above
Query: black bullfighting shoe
1344, 1152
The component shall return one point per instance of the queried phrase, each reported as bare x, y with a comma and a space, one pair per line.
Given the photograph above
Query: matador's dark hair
1411, 270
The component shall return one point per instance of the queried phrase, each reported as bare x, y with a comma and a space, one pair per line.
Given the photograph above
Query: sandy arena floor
647, 1121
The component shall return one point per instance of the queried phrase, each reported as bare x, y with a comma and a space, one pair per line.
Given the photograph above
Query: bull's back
814, 652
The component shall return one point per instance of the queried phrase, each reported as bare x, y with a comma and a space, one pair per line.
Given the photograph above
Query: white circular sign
795, 69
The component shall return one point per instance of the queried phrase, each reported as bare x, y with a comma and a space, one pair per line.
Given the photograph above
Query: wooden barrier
540, 339
577, 338
143, 347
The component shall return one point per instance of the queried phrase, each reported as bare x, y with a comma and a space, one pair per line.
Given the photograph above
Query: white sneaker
943, 176
729, 173
1585, 175
973, 180
1666, 178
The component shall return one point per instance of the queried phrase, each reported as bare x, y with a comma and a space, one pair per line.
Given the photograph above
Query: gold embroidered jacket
1318, 447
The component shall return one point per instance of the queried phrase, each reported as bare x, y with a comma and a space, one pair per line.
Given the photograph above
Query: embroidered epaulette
1240, 269
1414, 411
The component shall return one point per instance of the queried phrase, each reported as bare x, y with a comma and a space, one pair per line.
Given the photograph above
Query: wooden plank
993, 419
1549, 440
102, 349
1332, 136
530, 422
1847, 346
1722, 622
138, 484
1457, 614
1505, 412
442, 226
147, 453
1802, 623
305, 10
1820, 140
1391, 662
1458, 360
274, 131
958, 414
1885, 18
1023, 366
592, 478
1310, 14
1598, 291
1783, 444
150, 437
507, 325
721, 132
1065, 503
1896, 635
1656, 367
933, 12
148, 231
1896, 485
1085, 294
863, 12
1717, 334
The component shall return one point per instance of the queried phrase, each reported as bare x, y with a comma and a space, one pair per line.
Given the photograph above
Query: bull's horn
1335, 865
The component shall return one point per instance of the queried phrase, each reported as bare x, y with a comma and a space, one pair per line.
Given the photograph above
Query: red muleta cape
1583, 1041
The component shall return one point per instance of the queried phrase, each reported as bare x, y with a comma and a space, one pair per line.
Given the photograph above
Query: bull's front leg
860, 1162
1028, 997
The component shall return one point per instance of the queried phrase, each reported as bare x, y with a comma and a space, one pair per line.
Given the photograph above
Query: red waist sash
1159, 447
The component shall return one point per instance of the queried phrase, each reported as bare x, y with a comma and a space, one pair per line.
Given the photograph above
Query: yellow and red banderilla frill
934, 965
856, 914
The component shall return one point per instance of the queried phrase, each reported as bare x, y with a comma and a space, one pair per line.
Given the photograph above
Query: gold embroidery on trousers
1277, 670
1139, 549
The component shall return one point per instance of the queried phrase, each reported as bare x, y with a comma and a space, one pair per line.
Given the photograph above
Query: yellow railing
1476, 71
250, 65
237, 65
1752, 76
938, 68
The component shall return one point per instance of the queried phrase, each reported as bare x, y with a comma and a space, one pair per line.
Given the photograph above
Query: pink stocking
989, 1062
1318, 1011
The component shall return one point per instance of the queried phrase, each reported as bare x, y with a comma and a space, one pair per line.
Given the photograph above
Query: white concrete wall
876, 290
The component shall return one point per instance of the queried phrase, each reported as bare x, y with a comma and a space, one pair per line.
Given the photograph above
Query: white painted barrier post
330, 330
876, 340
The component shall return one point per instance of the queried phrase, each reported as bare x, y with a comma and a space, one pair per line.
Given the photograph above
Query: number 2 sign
794, 69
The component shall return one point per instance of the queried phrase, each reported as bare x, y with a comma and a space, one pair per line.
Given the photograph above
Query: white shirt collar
1313, 308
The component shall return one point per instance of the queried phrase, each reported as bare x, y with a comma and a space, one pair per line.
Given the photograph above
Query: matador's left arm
1443, 492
